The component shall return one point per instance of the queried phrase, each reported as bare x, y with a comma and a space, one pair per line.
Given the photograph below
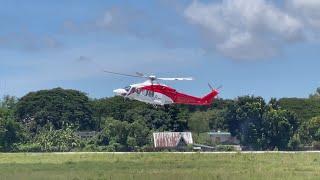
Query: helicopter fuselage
159, 94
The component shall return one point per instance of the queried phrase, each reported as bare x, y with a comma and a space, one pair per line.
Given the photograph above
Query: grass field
160, 166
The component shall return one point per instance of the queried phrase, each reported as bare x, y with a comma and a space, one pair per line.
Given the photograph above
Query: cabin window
150, 93
138, 91
144, 92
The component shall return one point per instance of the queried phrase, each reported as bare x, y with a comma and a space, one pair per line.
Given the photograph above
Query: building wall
171, 139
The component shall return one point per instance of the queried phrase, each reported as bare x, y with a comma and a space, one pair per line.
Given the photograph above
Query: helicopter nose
120, 92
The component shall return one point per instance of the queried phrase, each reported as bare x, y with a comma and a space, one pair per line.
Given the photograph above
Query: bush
294, 143
225, 148
29, 147
316, 145
57, 140
203, 138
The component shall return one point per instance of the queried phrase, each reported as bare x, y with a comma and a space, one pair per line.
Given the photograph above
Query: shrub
316, 145
225, 148
28, 147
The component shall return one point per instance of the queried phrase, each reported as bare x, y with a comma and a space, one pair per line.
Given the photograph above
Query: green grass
160, 166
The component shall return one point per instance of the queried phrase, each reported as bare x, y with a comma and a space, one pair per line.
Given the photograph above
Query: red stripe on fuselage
181, 98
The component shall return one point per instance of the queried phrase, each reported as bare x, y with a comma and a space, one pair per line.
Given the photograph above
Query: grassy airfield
159, 166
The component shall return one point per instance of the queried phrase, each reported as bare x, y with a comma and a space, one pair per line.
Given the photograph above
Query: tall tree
310, 131
11, 132
57, 107
199, 122
278, 127
244, 118
8, 102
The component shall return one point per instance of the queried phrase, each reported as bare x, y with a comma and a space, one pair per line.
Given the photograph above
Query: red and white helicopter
152, 92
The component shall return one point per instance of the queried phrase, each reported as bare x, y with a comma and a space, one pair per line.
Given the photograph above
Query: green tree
216, 119
8, 102
140, 132
278, 128
57, 107
199, 122
310, 130
57, 140
305, 109
115, 107
115, 133
244, 118
11, 132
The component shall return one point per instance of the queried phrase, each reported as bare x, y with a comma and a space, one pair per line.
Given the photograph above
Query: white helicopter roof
146, 83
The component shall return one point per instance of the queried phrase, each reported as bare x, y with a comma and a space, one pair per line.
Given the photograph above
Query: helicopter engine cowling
120, 92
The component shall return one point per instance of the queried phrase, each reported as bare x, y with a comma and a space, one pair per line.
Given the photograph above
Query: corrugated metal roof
171, 139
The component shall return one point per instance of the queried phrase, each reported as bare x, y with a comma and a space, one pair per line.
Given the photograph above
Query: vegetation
46, 121
56, 108
305, 109
159, 166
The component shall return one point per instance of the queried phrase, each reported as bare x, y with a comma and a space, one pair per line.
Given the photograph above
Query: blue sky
262, 47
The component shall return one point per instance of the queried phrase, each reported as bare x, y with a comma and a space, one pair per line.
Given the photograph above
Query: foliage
28, 147
56, 107
8, 102
295, 142
244, 118
123, 136
46, 120
259, 125
310, 130
10, 133
305, 109
278, 127
225, 148
217, 119
56, 140
202, 138
316, 145
199, 122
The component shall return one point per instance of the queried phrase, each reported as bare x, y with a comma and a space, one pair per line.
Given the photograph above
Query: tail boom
203, 101
181, 98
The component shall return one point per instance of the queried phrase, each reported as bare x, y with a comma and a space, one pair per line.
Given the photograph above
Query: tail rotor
215, 89
218, 88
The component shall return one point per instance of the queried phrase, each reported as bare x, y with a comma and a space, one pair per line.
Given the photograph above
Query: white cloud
307, 10
245, 29
246, 46
122, 20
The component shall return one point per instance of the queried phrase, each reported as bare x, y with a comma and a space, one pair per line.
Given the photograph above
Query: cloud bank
254, 29
238, 29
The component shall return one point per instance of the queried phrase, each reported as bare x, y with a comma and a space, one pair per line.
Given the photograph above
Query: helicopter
157, 94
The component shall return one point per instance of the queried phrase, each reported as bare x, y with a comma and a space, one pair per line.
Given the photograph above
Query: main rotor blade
177, 79
122, 74
140, 74
214, 88
210, 86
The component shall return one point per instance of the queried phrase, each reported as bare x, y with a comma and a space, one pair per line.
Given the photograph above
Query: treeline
46, 121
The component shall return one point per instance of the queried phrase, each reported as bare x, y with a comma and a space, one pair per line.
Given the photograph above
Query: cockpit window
127, 88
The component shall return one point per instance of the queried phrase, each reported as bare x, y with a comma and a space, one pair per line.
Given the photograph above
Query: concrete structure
86, 134
223, 138
172, 140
